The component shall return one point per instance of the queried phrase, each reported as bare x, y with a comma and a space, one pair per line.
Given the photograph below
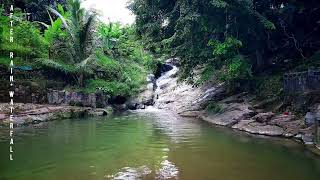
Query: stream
150, 144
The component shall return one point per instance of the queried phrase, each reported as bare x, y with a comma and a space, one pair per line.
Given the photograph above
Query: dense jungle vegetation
247, 43
66, 41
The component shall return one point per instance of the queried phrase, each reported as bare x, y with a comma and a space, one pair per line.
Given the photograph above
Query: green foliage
236, 69
228, 65
113, 88
55, 30
214, 108
111, 68
226, 49
121, 42
206, 75
268, 87
232, 39
80, 45
57, 65
185, 29
68, 45
28, 41
110, 34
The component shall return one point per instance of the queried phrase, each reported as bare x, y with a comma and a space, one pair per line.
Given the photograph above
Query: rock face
77, 98
230, 115
146, 97
26, 92
263, 117
35, 113
258, 128
180, 96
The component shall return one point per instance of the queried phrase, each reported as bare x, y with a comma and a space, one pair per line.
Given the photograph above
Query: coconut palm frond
65, 68
78, 25
44, 24
85, 62
64, 21
84, 33
51, 20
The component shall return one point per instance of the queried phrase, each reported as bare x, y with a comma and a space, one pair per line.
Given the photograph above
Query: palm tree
79, 45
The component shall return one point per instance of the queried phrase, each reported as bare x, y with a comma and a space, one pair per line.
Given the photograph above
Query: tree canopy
230, 35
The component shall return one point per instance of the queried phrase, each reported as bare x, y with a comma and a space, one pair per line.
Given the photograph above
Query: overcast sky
115, 10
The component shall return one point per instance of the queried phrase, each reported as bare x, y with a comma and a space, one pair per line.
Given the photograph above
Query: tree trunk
259, 60
80, 80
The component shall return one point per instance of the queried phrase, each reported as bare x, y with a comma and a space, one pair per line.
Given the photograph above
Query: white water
165, 79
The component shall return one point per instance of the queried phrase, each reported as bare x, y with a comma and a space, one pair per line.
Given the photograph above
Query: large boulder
146, 97
230, 114
259, 128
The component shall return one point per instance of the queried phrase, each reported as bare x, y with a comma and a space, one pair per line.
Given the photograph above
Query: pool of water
150, 144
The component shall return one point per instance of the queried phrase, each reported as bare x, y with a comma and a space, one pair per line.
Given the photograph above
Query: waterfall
165, 79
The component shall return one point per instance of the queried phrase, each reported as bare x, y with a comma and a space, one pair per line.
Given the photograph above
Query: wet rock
151, 78
98, 99
191, 113
98, 112
263, 117
2, 116
298, 136
162, 68
262, 129
132, 105
241, 124
263, 104
289, 123
173, 61
307, 130
146, 98
120, 107
230, 115
307, 139
101, 99
35, 113
238, 98
212, 94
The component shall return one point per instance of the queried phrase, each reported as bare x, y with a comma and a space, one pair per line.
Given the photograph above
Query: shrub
269, 87
237, 68
112, 88
213, 107
28, 41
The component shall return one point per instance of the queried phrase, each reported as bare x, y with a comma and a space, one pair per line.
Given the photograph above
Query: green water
150, 145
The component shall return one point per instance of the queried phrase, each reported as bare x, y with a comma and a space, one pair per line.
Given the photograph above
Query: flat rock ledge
279, 125
25, 114
259, 128
241, 116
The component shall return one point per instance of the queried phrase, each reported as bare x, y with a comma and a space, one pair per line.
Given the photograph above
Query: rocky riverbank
240, 111
26, 113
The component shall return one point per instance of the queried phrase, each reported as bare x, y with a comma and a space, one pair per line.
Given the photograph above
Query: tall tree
80, 44
270, 32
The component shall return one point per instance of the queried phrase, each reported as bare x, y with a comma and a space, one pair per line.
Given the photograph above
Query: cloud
113, 10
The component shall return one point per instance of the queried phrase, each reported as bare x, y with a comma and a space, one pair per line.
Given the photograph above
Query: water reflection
174, 126
150, 144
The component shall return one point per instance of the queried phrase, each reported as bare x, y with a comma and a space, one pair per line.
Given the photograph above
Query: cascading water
165, 79
164, 82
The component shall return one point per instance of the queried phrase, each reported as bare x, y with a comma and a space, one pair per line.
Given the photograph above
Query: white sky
113, 10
